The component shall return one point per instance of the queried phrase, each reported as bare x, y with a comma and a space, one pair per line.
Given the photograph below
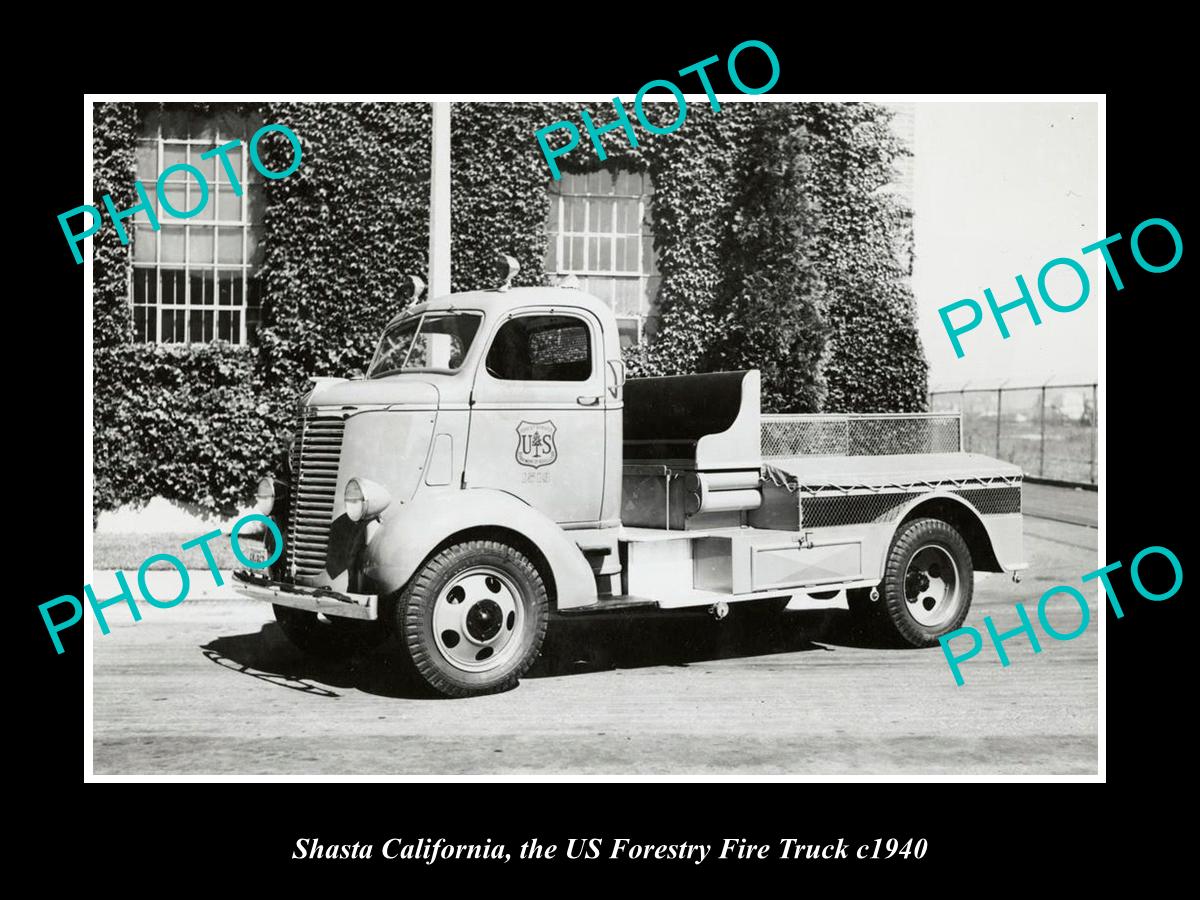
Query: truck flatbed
904, 469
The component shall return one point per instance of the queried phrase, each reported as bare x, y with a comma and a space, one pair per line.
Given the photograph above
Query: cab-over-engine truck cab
494, 467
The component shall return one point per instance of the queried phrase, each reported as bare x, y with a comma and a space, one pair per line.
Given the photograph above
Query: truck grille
315, 457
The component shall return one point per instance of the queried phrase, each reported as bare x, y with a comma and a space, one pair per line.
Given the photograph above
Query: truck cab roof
497, 302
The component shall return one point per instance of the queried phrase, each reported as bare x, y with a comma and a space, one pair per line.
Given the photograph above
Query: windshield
430, 341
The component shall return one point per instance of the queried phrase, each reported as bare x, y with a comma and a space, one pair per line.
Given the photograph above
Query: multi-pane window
600, 229
196, 280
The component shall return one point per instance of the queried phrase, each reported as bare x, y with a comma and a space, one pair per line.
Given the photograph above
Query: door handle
588, 401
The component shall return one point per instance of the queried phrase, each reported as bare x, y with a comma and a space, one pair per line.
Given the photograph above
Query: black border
985, 829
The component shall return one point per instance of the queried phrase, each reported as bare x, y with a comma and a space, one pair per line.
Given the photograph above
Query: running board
610, 605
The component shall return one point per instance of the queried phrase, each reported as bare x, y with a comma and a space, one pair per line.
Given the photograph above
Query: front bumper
297, 596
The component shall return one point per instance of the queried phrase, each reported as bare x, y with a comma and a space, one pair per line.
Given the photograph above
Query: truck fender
405, 538
994, 540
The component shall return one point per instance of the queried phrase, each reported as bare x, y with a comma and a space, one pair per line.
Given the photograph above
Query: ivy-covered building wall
777, 247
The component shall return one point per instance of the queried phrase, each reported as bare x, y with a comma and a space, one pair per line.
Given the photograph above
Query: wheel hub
477, 619
484, 620
932, 586
916, 583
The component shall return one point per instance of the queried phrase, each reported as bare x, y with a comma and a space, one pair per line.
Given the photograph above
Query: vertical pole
439, 203
999, 406
1095, 431
1042, 450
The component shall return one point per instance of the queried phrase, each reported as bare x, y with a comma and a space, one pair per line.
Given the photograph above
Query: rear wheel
473, 618
328, 637
927, 582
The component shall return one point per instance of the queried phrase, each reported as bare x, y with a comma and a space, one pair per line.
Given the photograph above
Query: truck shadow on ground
573, 647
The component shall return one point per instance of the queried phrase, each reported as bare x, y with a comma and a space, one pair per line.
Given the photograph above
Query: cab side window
541, 348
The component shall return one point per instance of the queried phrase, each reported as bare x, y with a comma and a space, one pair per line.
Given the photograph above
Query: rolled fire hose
721, 491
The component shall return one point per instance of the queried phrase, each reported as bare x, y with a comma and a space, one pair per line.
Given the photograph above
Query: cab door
537, 414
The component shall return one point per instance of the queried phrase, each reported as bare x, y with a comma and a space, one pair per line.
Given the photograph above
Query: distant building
601, 229
197, 280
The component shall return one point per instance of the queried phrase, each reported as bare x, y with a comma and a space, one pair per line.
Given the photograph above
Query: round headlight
265, 496
364, 499
355, 502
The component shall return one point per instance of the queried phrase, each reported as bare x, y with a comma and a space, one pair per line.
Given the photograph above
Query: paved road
212, 686
1074, 505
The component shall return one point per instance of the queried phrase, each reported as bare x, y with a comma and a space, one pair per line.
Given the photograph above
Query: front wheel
927, 582
473, 618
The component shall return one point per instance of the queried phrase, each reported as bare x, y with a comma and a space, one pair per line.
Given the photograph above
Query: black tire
502, 611
328, 637
907, 603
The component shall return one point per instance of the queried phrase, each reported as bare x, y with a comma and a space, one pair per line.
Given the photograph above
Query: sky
1000, 189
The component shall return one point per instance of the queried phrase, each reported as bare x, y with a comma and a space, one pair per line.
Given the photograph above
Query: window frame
420, 320
558, 197
246, 177
588, 322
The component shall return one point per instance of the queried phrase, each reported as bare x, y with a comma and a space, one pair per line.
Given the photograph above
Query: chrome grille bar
315, 458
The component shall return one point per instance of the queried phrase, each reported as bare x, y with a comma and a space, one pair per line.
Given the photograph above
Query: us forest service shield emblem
535, 444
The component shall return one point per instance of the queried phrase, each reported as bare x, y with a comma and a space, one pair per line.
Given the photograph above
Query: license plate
257, 554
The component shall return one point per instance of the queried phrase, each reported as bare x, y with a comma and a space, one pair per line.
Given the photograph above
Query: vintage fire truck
494, 471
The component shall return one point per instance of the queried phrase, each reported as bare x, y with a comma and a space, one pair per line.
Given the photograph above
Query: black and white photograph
699, 436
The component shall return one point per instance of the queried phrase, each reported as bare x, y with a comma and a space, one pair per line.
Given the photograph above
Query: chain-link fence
1049, 431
